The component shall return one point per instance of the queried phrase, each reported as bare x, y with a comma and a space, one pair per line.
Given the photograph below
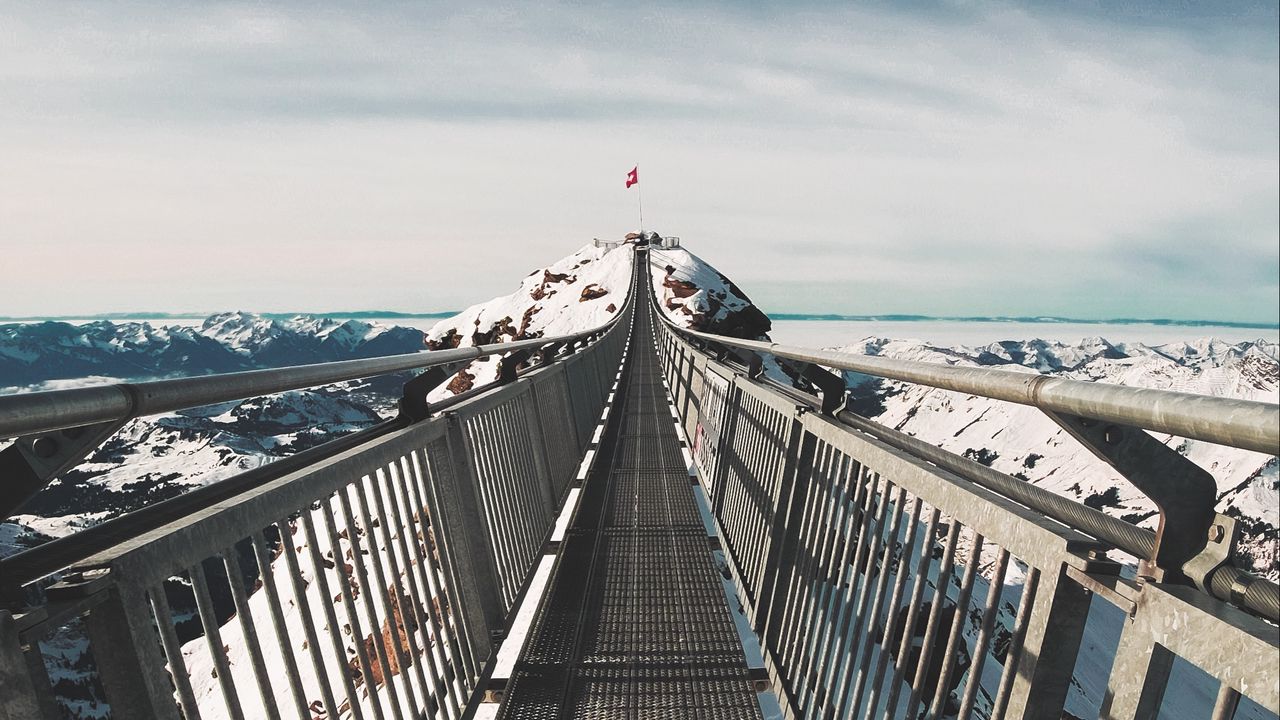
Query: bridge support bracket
33, 461
831, 384
1192, 540
547, 353
509, 365
413, 400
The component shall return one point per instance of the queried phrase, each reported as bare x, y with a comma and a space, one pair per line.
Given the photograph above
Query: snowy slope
1023, 442
697, 296
581, 291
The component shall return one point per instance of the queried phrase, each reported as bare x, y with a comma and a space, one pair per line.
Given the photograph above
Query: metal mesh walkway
635, 624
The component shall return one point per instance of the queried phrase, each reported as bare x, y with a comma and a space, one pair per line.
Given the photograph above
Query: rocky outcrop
591, 292
706, 307
461, 382
448, 341
543, 290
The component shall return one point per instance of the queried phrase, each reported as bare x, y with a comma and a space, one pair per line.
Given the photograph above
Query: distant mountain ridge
33, 353
881, 317
1032, 319
360, 314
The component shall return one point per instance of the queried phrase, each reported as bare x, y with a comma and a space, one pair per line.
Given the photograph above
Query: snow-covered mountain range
33, 353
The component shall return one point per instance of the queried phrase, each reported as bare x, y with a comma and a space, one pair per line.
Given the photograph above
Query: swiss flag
633, 177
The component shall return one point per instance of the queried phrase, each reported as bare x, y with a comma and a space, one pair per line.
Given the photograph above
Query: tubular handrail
51, 410
1245, 424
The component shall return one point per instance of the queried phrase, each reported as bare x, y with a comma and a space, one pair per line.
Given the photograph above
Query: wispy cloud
976, 158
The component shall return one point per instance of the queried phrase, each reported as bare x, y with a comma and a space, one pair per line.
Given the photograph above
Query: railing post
20, 699
1138, 676
799, 458
1052, 642
537, 443
728, 425
124, 640
465, 527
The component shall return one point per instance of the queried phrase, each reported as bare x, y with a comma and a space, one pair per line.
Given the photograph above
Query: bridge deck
635, 624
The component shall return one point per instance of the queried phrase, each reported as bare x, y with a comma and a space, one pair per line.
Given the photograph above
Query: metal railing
368, 582
887, 578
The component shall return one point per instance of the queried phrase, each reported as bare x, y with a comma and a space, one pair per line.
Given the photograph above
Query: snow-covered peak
580, 291
245, 333
696, 295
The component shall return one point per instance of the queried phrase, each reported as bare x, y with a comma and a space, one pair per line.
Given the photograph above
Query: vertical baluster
349, 605
984, 635
1016, 643
326, 603
173, 653
419, 599
362, 575
858, 610
307, 619
398, 597
941, 589
842, 510
249, 630
426, 487
895, 603
957, 624
213, 638
872, 618
279, 627
442, 598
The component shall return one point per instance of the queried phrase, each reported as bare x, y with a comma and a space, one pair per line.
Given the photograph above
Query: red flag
633, 177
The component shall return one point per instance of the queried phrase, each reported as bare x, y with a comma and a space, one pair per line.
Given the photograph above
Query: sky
1087, 160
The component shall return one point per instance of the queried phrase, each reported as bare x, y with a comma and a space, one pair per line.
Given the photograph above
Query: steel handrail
50, 410
1255, 593
1245, 424
49, 557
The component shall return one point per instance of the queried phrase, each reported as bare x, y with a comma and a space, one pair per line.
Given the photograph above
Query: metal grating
635, 625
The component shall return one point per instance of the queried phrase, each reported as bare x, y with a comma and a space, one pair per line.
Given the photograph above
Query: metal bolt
1216, 533
1112, 435
44, 447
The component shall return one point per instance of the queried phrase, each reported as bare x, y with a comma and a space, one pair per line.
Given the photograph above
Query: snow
716, 297
549, 302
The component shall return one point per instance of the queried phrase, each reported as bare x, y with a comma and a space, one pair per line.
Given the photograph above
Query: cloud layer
979, 159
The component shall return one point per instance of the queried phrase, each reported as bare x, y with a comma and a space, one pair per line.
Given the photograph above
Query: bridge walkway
635, 623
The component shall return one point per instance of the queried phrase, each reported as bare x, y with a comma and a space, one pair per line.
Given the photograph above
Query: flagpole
640, 199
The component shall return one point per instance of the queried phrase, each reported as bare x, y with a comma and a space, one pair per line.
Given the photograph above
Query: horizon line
837, 317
